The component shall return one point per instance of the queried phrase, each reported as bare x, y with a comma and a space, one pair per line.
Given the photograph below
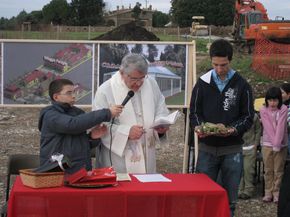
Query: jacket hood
61, 107
207, 77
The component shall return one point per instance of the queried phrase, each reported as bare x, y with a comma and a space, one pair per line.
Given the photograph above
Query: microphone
128, 97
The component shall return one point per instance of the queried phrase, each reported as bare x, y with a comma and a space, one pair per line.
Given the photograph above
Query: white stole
127, 117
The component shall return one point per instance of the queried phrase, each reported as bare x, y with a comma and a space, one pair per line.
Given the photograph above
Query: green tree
169, 54
183, 10
152, 52
220, 12
21, 17
159, 19
138, 48
56, 12
136, 11
86, 12
216, 12
3, 23
35, 17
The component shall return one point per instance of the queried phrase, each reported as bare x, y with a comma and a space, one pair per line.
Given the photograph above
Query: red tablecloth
193, 195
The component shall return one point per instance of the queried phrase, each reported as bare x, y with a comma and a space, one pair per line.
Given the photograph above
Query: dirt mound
128, 32
222, 31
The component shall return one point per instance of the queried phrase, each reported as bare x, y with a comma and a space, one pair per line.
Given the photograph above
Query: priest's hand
136, 132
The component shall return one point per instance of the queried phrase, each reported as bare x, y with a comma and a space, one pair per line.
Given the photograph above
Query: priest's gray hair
134, 62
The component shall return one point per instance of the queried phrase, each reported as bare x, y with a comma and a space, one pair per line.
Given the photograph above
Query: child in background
274, 142
251, 141
285, 89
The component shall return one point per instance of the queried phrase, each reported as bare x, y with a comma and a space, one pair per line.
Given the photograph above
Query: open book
166, 121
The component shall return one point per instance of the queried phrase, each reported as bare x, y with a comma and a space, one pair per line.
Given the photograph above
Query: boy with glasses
64, 127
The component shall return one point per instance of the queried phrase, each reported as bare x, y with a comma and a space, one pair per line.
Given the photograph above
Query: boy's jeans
230, 168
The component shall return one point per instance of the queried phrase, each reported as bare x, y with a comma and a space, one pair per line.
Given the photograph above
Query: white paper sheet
152, 178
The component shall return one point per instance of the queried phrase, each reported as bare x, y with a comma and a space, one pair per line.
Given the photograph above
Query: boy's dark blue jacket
64, 130
232, 107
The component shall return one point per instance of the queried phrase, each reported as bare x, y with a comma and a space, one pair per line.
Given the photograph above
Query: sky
9, 8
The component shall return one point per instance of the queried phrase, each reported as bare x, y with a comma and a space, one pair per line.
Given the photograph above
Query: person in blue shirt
221, 96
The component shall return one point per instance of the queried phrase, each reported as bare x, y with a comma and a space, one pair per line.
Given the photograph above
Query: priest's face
134, 80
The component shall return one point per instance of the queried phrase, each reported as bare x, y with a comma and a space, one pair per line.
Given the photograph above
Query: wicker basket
41, 180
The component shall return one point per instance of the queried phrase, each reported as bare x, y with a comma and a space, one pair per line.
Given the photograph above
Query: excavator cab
247, 21
255, 17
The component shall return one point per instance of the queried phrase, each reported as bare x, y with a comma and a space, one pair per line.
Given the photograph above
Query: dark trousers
284, 195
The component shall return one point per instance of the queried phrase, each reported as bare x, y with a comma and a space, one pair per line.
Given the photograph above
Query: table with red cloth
187, 195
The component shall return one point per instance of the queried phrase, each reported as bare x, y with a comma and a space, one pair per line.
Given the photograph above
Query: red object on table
188, 195
101, 176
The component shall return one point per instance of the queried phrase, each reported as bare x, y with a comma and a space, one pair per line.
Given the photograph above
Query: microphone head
131, 93
128, 97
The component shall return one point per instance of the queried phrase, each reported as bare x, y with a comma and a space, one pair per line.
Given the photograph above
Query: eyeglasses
69, 93
134, 79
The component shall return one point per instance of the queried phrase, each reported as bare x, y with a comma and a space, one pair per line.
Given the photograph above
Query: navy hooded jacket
64, 130
232, 107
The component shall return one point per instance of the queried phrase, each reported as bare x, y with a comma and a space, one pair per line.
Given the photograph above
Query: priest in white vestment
130, 142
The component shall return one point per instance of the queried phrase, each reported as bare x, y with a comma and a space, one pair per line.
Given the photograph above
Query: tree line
91, 12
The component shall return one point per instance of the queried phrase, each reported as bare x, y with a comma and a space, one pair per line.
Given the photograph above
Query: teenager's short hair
57, 85
274, 93
221, 48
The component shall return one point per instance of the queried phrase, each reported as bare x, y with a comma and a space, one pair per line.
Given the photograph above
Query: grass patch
177, 99
49, 35
242, 64
201, 45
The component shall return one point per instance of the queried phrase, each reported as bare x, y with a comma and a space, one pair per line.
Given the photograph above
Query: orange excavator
251, 21
271, 38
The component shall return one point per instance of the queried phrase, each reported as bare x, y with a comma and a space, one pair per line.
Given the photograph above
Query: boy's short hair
56, 86
274, 93
221, 48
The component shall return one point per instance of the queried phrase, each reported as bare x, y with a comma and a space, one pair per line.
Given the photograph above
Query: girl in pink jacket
274, 142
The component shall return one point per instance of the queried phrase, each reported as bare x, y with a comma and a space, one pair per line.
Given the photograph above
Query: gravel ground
19, 134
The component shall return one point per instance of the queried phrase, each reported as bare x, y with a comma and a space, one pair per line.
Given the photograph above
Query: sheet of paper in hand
166, 121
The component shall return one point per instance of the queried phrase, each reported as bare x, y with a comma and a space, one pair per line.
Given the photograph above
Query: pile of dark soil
128, 32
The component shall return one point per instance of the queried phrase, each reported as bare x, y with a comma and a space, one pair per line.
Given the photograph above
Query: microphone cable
111, 138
